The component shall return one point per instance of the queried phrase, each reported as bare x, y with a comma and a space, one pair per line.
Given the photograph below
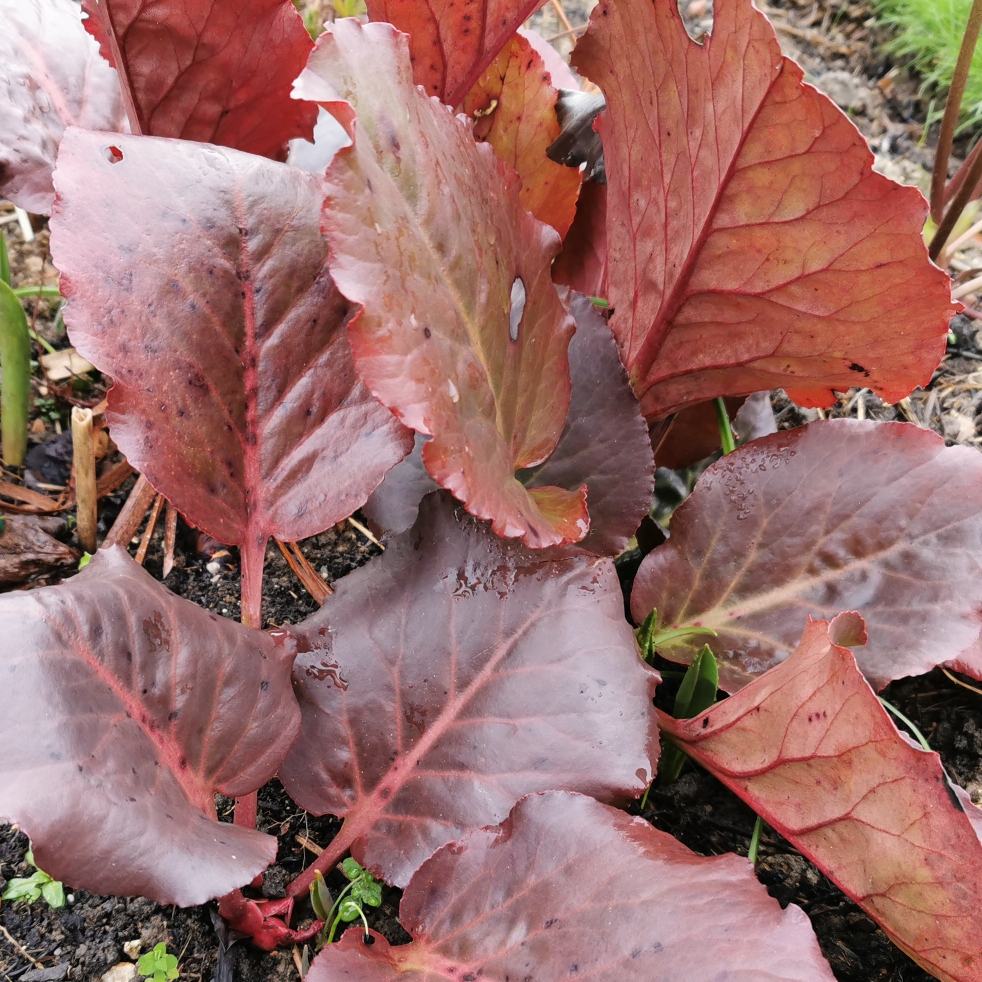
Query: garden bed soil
834, 43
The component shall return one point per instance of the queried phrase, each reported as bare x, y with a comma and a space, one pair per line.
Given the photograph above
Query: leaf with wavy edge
452, 43
214, 71
569, 888
604, 445
53, 77
810, 748
832, 516
461, 333
212, 309
750, 244
126, 708
514, 108
454, 674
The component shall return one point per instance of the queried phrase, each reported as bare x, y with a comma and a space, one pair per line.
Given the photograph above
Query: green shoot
755, 840
903, 719
696, 694
158, 965
15, 364
363, 889
4, 261
349, 8
31, 888
650, 639
725, 430
599, 302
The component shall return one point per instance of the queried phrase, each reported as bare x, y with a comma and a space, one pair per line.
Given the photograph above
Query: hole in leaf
113, 154
517, 307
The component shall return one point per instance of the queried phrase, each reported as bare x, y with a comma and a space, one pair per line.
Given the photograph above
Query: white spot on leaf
517, 307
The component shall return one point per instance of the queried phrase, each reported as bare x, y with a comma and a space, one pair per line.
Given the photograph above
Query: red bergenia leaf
454, 674
514, 108
216, 71
604, 445
750, 244
212, 308
126, 708
53, 77
810, 748
568, 888
838, 515
452, 43
462, 334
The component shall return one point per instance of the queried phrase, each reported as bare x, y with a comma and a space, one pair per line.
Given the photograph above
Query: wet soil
87, 937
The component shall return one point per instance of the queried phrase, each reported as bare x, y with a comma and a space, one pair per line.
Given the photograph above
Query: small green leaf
351, 869
85, 560
23, 889
53, 892
349, 911
646, 633
367, 890
696, 693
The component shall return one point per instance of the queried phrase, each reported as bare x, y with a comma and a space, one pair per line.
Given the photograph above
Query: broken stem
86, 492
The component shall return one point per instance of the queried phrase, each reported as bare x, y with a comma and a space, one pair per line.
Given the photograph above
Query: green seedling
29, 889
158, 965
349, 906
651, 639
4, 261
696, 694
15, 364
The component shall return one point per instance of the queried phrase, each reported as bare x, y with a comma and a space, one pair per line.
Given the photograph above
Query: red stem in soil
252, 553
245, 810
335, 850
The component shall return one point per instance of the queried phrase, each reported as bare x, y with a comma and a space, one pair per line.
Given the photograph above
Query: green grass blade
15, 365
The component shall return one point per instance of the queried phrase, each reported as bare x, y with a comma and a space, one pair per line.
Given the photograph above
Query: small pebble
214, 568
132, 949
123, 972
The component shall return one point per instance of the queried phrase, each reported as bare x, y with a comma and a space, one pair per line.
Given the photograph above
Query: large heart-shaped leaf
216, 71
837, 515
750, 244
452, 43
455, 674
568, 888
514, 108
461, 334
212, 308
53, 77
809, 747
125, 709
604, 446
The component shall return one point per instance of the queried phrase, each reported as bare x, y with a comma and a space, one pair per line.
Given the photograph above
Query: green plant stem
755, 840
40, 340
4, 261
725, 430
953, 105
955, 209
15, 363
47, 292
903, 719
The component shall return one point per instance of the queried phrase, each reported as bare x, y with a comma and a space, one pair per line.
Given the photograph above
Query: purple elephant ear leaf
880, 518
126, 709
53, 77
213, 300
568, 887
451, 676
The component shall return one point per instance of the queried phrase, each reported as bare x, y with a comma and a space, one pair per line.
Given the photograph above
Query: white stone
123, 972
132, 949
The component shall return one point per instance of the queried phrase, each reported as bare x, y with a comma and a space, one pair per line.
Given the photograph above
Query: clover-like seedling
31, 888
158, 965
349, 906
